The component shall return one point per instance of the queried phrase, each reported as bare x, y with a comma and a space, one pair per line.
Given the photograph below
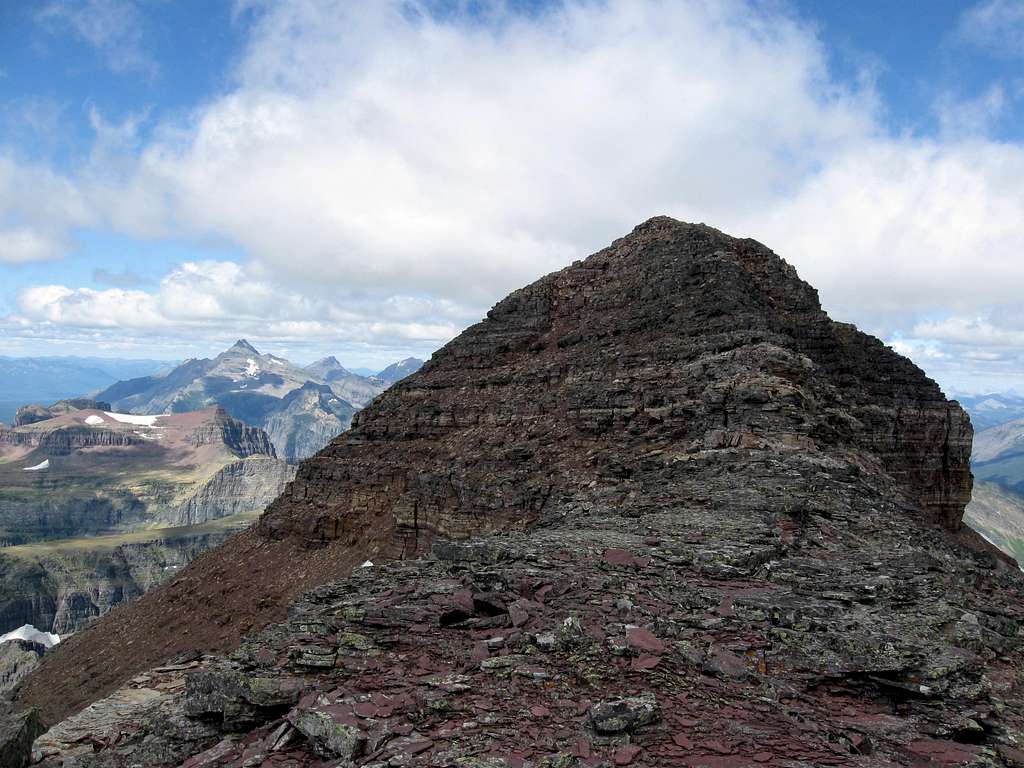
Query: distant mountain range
998, 455
301, 408
992, 409
26, 380
997, 461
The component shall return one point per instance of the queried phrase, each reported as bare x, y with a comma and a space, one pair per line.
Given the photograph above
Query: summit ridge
655, 509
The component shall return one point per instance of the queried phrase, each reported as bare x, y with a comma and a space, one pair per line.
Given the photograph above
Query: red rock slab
642, 640
939, 752
626, 755
620, 557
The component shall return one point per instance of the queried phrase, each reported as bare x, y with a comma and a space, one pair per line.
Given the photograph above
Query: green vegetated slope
997, 513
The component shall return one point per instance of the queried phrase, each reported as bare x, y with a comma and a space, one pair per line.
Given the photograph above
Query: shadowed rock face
657, 509
676, 337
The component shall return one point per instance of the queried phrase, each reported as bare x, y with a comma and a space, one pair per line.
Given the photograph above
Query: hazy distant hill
998, 514
25, 380
998, 455
992, 409
398, 371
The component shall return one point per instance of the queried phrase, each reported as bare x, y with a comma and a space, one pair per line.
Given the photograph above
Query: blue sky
365, 180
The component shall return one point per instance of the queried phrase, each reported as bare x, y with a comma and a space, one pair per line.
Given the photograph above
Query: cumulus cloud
20, 245
997, 26
218, 300
113, 27
38, 209
389, 171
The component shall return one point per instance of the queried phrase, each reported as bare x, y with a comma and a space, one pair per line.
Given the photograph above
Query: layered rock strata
657, 509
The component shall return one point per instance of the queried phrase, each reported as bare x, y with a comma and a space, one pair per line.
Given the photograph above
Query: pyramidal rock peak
656, 509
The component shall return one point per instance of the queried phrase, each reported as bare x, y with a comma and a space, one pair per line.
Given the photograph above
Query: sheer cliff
656, 509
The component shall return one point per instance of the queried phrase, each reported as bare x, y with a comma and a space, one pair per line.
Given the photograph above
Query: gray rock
624, 715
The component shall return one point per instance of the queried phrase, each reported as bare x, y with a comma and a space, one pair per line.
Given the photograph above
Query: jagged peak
324, 361
243, 346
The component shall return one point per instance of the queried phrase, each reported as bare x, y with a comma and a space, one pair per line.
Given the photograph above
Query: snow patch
144, 436
251, 368
41, 465
131, 418
30, 633
367, 564
92, 420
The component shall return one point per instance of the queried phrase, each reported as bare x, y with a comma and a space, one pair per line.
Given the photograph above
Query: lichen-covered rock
624, 714
327, 735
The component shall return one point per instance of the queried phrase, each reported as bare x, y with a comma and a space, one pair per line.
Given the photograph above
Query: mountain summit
244, 346
656, 509
261, 390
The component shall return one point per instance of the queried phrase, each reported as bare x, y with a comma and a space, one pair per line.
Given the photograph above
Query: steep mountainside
261, 390
355, 389
999, 455
62, 585
998, 515
657, 509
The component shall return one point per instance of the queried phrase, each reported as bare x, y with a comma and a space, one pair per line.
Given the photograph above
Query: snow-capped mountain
398, 371
257, 389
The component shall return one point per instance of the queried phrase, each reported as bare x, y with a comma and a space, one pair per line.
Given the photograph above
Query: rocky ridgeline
61, 442
31, 414
657, 509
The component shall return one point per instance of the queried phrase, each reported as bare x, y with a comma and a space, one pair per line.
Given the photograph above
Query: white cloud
970, 332
38, 209
113, 27
997, 26
21, 245
370, 158
220, 300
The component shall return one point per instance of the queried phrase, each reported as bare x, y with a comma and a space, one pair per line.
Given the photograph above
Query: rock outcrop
30, 414
242, 486
241, 439
17, 659
657, 509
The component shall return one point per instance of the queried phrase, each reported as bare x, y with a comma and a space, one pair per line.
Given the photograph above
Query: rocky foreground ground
656, 510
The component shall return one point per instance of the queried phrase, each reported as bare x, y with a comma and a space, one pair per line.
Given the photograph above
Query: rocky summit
656, 509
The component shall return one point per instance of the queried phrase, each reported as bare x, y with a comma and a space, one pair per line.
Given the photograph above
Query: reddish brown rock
670, 435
